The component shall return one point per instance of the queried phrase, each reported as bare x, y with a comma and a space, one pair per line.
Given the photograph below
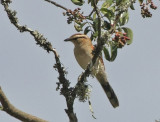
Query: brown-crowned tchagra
83, 48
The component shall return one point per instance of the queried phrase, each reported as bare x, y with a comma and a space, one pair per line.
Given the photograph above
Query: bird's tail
108, 89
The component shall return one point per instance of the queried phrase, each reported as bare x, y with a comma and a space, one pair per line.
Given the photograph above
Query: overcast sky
29, 81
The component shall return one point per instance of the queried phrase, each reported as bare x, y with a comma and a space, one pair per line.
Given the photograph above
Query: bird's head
79, 39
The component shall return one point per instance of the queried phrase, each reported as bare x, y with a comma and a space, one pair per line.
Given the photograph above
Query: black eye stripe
75, 38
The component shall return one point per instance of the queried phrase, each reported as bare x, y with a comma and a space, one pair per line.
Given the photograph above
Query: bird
83, 51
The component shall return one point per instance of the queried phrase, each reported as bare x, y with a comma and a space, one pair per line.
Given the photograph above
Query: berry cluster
152, 5
145, 10
74, 16
121, 39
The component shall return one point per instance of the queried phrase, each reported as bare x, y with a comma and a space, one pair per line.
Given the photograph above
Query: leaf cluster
114, 16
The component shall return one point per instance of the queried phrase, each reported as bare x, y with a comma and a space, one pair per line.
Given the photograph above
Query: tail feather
110, 94
102, 78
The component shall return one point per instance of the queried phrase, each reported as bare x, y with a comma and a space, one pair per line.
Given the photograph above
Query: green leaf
113, 51
132, 7
89, 1
94, 16
1, 108
93, 2
129, 33
106, 54
140, 1
91, 37
107, 4
105, 10
95, 34
106, 25
78, 27
118, 2
107, 13
86, 30
124, 18
95, 24
122, 2
112, 8
82, 24
78, 2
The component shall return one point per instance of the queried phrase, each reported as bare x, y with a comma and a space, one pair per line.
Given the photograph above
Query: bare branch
42, 42
56, 4
91, 12
72, 116
11, 110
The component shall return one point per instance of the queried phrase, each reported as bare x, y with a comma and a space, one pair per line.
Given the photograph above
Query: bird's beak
66, 40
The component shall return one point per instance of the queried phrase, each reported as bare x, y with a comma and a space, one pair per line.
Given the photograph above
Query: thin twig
56, 4
91, 12
99, 21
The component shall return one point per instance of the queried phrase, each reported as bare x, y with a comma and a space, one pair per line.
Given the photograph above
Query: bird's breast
83, 56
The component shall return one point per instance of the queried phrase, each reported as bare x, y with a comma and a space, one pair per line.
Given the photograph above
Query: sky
29, 81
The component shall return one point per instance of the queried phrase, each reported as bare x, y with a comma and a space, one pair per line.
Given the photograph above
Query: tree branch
11, 110
42, 42
99, 21
56, 4
91, 12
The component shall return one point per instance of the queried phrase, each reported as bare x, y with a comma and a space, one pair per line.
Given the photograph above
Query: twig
56, 4
65, 90
99, 21
11, 110
91, 12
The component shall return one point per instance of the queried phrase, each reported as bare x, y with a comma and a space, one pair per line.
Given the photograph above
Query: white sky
29, 81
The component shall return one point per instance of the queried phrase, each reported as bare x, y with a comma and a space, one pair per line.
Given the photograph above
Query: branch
11, 110
99, 21
42, 42
56, 4
65, 90
91, 13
